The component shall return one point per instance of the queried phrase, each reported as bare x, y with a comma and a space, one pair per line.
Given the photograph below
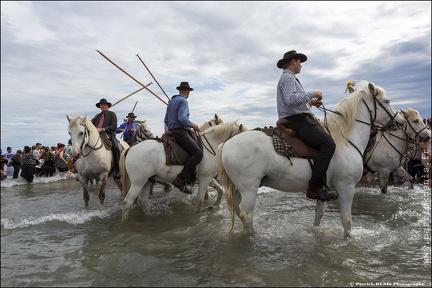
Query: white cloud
226, 50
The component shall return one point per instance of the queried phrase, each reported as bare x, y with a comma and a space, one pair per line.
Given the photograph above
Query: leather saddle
175, 154
290, 137
286, 142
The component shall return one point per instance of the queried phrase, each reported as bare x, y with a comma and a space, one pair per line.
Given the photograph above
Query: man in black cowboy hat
178, 123
106, 121
128, 128
294, 104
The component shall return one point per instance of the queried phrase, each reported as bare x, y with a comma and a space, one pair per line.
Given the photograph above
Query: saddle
175, 154
286, 142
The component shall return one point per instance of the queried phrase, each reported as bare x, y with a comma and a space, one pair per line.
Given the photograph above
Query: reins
83, 144
372, 119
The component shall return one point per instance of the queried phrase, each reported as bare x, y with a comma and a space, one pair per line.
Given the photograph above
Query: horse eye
81, 133
416, 121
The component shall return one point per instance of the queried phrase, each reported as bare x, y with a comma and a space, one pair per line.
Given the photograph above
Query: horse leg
103, 183
383, 180
319, 212
220, 189
130, 199
345, 203
151, 188
245, 204
83, 181
143, 198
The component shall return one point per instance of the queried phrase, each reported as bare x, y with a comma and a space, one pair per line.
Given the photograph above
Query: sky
226, 50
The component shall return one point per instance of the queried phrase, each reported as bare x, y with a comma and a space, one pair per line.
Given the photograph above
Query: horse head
414, 126
213, 122
81, 129
382, 112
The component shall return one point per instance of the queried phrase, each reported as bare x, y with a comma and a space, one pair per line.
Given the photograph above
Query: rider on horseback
106, 121
293, 104
178, 123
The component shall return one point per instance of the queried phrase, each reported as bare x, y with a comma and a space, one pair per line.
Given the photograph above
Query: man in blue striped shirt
293, 104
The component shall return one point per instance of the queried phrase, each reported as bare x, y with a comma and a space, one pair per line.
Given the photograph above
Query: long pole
152, 76
131, 94
134, 106
131, 77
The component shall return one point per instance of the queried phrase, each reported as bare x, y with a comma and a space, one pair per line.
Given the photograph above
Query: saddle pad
283, 148
171, 158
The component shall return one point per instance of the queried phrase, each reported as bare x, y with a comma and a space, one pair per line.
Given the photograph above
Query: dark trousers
17, 168
186, 142
311, 133
116, 151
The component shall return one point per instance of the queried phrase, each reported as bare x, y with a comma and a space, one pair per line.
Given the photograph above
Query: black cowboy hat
103, 100
131, 114
184, 85
291, 55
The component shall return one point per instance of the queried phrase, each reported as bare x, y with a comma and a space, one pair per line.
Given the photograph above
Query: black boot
317, 191
180, 183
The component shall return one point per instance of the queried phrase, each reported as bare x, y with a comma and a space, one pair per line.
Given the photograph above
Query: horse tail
226, 181
124, 177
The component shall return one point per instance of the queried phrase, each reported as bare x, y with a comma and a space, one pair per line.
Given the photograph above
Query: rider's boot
180, 183
318, 192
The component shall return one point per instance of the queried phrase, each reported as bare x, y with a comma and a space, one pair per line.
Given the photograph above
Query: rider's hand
195, 127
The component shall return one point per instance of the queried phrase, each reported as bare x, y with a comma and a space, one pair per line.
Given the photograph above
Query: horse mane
410, 114
341, 123
144, 126
225, 129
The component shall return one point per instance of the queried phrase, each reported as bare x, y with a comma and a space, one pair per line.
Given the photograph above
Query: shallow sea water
49, 239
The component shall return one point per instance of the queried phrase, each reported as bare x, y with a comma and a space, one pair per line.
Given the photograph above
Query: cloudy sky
227, 51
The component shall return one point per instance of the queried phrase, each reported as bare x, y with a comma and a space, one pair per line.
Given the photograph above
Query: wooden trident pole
152, 76
131, 94
131, 77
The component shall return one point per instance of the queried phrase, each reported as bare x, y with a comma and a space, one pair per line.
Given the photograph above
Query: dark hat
184, 85
131, 114
103, 100
291, 55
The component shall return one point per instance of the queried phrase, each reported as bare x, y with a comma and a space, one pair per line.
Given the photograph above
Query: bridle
141, 135
408, 140
85, 143
376, 103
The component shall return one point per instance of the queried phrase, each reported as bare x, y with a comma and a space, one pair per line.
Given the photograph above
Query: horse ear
241, 127
67, 116
372, 89
85, 118
404, 113
216, 117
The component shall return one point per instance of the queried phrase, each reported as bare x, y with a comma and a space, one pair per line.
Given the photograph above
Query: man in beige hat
106, 121
293, 104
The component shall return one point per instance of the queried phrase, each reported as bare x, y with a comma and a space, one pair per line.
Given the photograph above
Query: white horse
248, 160
388, 152
144, 132
146, 162
95, 160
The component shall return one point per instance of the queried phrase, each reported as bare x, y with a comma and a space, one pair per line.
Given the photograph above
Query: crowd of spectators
38, 161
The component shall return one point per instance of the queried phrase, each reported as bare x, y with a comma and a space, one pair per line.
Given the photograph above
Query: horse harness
104, 141
373, 143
